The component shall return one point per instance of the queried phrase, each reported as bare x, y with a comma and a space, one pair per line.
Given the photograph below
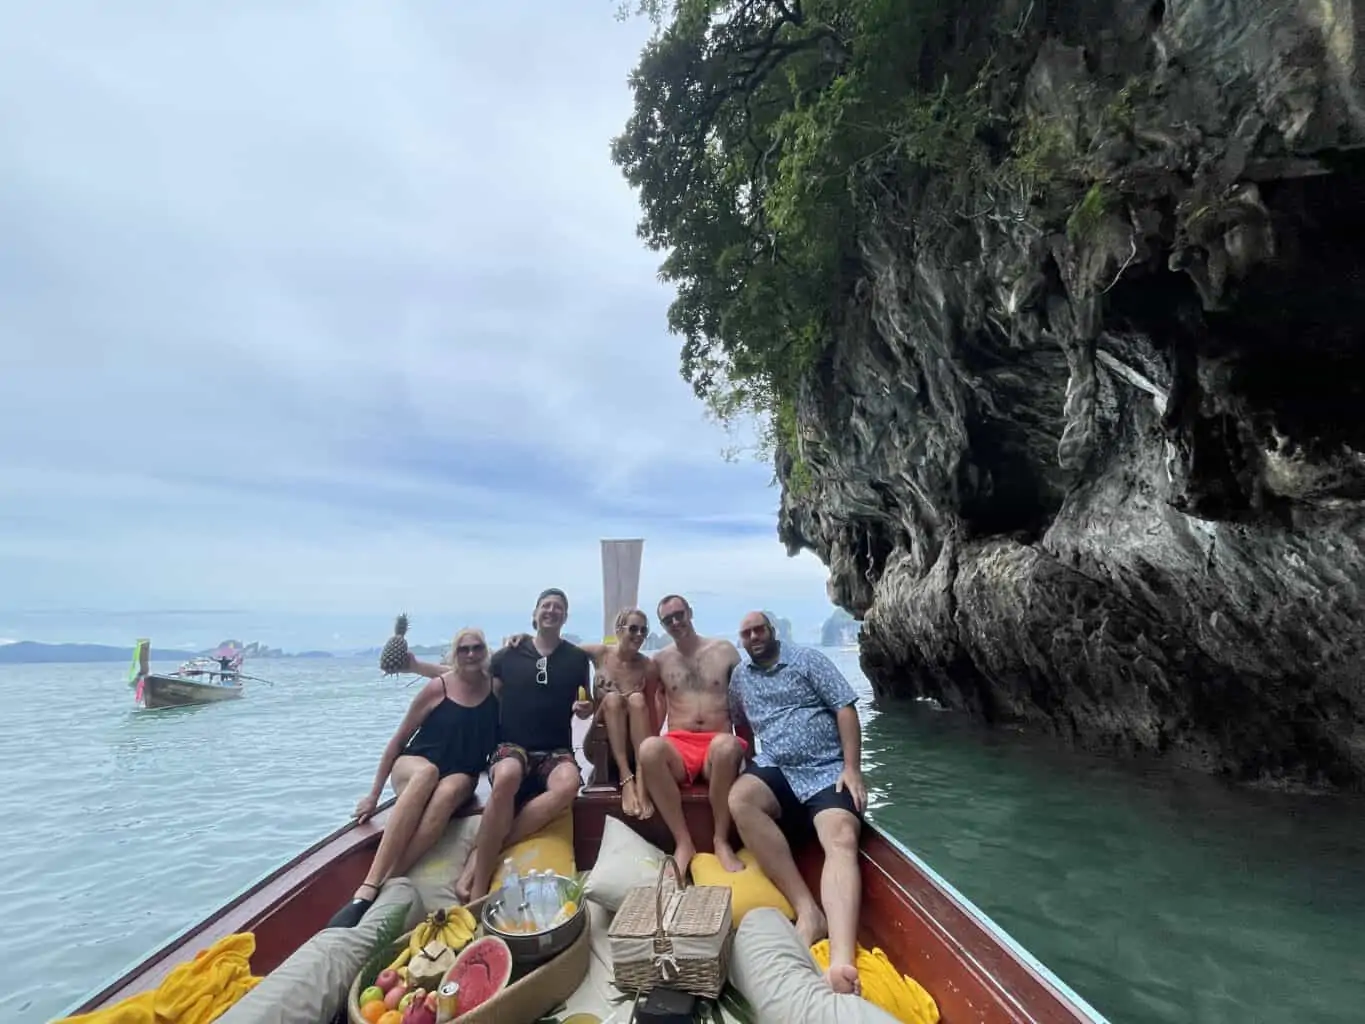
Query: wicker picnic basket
681, 940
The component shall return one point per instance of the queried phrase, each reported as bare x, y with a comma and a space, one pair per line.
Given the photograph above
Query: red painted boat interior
922, 927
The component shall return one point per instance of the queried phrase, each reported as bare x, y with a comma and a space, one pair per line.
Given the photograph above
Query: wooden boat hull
976, 972
174, 692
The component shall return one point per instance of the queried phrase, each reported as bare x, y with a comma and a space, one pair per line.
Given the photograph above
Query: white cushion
774, 971
311, 986
625, 861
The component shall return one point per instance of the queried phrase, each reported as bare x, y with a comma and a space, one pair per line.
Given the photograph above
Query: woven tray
682, 940
528, 998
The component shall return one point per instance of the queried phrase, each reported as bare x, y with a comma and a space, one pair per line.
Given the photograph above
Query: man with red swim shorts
700, 741
693, 747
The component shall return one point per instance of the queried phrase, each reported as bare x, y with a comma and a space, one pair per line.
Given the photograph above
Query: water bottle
536, 898
549, 902
510, 895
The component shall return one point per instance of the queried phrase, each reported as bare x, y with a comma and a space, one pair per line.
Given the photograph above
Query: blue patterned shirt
791, 707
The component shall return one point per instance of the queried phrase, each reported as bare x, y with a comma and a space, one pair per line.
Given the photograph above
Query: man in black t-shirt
538, 682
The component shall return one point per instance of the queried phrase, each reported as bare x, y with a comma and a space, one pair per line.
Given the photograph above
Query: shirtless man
700, 741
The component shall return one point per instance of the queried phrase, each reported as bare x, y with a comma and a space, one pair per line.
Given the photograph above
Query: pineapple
394, 657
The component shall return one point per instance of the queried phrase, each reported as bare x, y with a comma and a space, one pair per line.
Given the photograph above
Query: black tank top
456, 738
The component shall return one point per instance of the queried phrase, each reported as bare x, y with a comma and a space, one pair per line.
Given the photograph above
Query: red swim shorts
693, 747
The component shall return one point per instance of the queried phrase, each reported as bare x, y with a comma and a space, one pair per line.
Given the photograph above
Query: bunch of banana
456, 927
451, 928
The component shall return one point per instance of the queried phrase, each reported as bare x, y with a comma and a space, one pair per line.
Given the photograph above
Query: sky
315, 312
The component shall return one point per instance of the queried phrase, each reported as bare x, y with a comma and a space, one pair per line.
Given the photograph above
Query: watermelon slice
482, 970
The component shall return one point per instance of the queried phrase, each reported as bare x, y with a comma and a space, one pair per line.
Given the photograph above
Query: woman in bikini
435, 758
629, 700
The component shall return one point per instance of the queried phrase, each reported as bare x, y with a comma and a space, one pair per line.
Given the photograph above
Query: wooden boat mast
620, 581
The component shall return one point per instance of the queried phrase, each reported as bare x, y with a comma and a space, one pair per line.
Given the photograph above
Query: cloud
324, 309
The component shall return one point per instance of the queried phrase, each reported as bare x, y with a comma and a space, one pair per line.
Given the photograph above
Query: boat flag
620, 581
137, 671
139, 663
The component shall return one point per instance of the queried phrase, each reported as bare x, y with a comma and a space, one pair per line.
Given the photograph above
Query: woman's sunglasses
470, 649
637, 630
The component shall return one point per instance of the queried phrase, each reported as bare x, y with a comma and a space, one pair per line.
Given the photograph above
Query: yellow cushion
749, 889
551, 847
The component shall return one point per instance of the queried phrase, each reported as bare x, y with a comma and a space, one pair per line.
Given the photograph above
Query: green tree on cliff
758, 126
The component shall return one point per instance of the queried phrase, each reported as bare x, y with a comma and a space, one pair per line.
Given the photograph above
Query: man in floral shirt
807, 773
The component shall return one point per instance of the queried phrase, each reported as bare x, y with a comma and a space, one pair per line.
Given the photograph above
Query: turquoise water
1159, 897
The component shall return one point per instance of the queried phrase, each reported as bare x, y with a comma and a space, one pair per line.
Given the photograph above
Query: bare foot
683, 854
465, 880
630, 803
811, 926
478, 884
646, 805
725, 853
844, 980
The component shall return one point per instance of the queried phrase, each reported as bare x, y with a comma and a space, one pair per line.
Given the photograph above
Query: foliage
574, 890
769, 136
759, 128
1085, 219
387, 945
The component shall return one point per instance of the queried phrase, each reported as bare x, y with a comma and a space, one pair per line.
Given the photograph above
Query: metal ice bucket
530, 949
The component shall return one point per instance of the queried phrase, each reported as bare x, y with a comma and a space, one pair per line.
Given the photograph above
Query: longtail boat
975, 972
196, 682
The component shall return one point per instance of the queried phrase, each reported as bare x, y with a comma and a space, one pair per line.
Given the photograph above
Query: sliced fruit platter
443, 970
448, 967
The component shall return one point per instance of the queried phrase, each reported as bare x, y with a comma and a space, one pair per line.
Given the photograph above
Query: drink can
447, 1002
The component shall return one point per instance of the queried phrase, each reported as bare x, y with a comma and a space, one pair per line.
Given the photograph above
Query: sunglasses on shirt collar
542, 671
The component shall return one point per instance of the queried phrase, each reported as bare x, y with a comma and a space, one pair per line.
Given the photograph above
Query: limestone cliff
1094, 461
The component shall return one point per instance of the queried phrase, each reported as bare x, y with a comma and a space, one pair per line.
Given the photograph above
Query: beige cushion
625, 860
773, 970
438, 870
311, 986
596, 993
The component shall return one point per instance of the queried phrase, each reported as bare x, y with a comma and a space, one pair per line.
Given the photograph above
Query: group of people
691, 712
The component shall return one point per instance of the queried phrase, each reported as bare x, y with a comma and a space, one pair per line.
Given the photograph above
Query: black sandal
352, 913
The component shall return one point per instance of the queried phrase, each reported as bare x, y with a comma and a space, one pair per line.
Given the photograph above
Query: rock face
1101, 469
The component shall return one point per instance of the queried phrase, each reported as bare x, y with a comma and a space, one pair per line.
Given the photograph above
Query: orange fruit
392, 1017
373, 1010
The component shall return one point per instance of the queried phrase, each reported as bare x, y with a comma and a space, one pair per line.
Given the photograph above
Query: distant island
258, 650
839, 629
27, 652
658, 641
30, 652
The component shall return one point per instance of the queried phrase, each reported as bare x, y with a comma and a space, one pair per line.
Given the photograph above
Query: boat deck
976, 972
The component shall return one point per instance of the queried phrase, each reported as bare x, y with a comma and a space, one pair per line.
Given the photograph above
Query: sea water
1159, 896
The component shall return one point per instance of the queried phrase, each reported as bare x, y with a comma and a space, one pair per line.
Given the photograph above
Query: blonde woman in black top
435, 759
